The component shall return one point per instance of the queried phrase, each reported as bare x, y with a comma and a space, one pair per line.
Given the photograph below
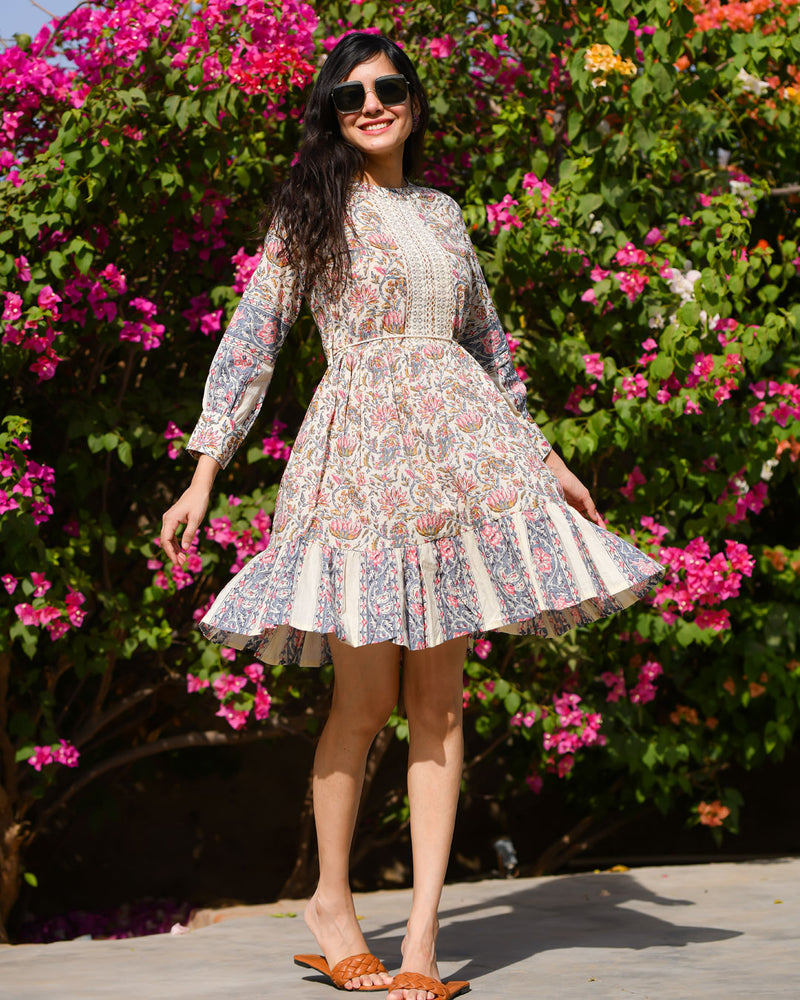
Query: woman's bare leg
432, 694
364, 693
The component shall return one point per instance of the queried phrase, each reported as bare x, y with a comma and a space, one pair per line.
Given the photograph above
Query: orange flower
681, 63
712, 723
712, 813
756, 690
730, 686
684, 712
790, 445
777, 558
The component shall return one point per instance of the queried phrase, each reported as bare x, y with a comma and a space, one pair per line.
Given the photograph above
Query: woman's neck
382, 174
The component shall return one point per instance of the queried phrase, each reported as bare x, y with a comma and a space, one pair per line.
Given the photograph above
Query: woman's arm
237, 383
190, 510
245, 359
575, 493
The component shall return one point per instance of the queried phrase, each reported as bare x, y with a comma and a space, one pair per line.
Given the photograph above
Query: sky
21, 17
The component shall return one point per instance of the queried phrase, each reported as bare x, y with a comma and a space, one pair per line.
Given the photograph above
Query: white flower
597, 227
683, 284
740, 188
751, 83
767, 467
723, 157
656, 321
704, 318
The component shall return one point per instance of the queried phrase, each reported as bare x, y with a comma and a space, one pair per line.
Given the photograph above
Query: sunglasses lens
349, 97
391, 89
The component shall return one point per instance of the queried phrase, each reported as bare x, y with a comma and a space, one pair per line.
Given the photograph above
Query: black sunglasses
349, 97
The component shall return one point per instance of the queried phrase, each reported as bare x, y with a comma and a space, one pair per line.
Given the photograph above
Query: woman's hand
189, 510
575, 493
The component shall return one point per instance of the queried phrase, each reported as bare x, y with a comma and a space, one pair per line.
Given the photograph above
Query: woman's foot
419, 955
333, 923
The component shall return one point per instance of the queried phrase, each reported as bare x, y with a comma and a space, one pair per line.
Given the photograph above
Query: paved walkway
698, 931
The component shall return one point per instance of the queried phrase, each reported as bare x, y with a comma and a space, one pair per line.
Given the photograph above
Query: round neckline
407, 187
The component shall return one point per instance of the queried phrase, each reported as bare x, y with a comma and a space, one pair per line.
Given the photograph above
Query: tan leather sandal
344, 971
440, 990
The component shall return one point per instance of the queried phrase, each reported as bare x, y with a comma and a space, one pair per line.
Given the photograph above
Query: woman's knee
366, 685
367, 714
433, 687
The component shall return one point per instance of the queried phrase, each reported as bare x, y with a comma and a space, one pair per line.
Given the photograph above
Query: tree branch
98, 722
788, 189
210, 738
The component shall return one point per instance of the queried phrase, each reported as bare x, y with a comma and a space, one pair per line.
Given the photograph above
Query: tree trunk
579, 839
303, 877
12, 839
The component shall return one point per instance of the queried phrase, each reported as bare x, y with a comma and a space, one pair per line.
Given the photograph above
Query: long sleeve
484, 338
245, 358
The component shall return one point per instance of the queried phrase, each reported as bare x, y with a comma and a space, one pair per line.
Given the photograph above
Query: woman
421, 504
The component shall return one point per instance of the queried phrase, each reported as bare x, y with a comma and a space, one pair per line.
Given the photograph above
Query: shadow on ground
590, 911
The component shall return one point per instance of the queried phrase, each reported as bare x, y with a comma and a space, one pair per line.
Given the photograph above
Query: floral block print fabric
416, 505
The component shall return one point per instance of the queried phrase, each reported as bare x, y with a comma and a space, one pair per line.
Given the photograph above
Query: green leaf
171, 106
615, 32
125, 453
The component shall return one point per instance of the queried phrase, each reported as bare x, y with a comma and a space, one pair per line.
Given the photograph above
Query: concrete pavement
669, 933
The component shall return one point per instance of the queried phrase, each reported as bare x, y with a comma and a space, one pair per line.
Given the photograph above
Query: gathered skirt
416, 507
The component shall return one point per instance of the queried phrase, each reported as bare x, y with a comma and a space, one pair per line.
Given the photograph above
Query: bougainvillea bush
630, 176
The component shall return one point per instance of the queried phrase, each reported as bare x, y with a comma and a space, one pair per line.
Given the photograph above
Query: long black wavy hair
309, 207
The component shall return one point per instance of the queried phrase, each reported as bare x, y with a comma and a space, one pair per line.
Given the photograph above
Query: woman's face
378, 130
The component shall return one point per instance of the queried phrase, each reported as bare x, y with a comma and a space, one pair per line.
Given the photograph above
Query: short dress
416, 505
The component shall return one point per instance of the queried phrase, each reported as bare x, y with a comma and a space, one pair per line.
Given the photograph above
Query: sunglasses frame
370, 90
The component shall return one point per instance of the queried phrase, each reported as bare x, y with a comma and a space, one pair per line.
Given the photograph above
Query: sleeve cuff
214, 435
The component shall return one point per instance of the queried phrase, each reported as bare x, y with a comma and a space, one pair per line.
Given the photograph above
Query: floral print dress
416, 505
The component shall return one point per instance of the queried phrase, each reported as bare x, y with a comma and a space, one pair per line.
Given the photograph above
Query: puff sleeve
245, 358
484, 338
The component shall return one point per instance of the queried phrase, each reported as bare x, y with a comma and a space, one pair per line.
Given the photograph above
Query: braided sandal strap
416, 981
355, 966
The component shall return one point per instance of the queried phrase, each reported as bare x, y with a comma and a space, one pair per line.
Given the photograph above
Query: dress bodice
413, 274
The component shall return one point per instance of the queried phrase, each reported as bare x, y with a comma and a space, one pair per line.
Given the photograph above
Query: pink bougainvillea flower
630, 256
502, 215
227, 684
255, 671
7, 502
196, 683
534, 782
41, 756
615, 682
635, 478
9, 582
40, 583
236, 718
262, 704
482, 648
26, 614
635, 386
441, 48
67, 754
21, 264
75, 613
594, 365
47, 298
